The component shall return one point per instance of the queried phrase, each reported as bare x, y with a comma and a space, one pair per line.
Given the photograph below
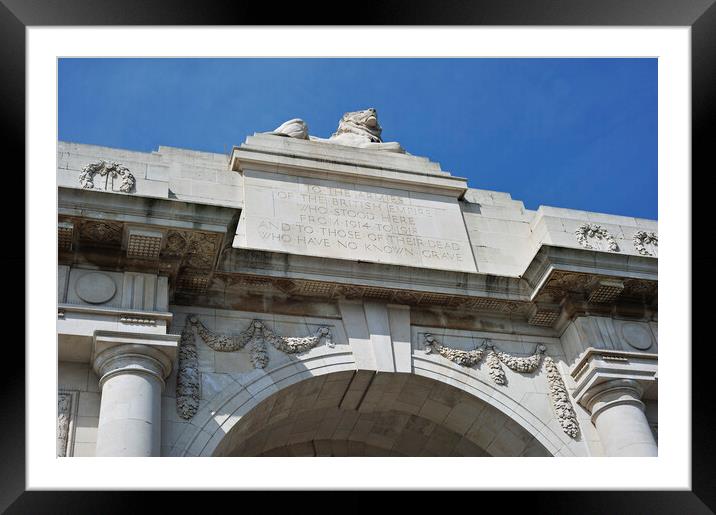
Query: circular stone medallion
95, 288
636, 335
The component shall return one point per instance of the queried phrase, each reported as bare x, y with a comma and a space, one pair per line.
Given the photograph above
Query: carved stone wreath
558, 394
595, 231
103, 168
188, 376
642, 238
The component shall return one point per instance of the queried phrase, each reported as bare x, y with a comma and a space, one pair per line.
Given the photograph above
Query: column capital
116, 353
597, 367
134, 359
612, 393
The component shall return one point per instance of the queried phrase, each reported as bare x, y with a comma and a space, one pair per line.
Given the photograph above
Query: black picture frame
700, 15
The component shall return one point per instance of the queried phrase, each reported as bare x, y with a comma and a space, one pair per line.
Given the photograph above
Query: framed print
288, 252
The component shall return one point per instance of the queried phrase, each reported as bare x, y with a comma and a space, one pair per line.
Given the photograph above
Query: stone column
131, 381
618, 414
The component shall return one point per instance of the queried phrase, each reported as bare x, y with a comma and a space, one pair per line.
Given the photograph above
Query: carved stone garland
642, 238
103, 168
465, 358
64, 406
595, 231
188, 375
188, 379
558, 394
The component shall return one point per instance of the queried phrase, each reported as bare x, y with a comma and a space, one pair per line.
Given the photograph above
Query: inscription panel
332, 219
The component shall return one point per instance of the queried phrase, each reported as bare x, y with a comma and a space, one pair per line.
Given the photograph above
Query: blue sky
574, 133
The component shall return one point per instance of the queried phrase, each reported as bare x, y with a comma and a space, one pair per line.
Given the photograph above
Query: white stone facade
303, 298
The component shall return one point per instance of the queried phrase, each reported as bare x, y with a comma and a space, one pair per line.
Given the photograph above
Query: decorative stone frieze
315, 289
256, 333
643, 238
110, 171
259, 335
559, 396
544, 311
586, 231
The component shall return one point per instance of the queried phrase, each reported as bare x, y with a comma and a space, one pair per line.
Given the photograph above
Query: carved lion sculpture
355, 129
361, 129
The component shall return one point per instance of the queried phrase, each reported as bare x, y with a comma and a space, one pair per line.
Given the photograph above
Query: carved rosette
188, 379
113, 170
643, 238
101, 232
586, 231
559, 396
195, 249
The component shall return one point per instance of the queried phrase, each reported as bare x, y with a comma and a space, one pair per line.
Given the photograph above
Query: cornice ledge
375, 275
144, 210
313, 159
112, 311
550, 259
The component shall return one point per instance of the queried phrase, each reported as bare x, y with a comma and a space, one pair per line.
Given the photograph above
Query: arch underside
364, 413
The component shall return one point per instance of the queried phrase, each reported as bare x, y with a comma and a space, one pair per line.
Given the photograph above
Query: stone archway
327, 383
367, 413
